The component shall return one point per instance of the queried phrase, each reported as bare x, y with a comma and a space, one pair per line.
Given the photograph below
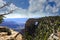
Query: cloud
12, 7
14, 15
7, 8
36, 5
50, 6
37, 8
2, 3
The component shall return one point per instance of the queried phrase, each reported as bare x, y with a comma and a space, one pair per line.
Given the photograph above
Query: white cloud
2, 3
37, 8
12, 7
42, 5
15, 16
36, 5
21, 13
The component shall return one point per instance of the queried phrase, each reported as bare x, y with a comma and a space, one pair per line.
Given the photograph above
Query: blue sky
20, 3
31, 8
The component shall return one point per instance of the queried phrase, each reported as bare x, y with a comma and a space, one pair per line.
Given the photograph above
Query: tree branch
5, 5
7, 13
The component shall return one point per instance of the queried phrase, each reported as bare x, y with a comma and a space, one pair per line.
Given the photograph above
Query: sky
30, 8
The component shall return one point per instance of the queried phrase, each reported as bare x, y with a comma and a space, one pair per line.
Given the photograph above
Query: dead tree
6, 13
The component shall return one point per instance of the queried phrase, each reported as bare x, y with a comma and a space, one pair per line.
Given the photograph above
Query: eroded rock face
9, 34
31, 25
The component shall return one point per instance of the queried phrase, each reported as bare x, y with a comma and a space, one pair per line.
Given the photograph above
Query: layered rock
9, 34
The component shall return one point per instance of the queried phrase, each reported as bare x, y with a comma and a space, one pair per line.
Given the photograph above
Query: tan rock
13, 36
52, 36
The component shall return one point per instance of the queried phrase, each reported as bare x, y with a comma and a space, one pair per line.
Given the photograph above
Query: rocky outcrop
13, 35
31, 25
54, 36
42, 28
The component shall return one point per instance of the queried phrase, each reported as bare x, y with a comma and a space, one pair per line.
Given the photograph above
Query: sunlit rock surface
54, 36
9, 34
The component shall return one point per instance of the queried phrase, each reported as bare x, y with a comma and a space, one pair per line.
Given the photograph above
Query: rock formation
42, 28
31, 25
9, 34
54, 36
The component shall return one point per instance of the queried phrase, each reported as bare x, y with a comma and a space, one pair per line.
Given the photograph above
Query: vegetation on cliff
45, 27
1, 18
